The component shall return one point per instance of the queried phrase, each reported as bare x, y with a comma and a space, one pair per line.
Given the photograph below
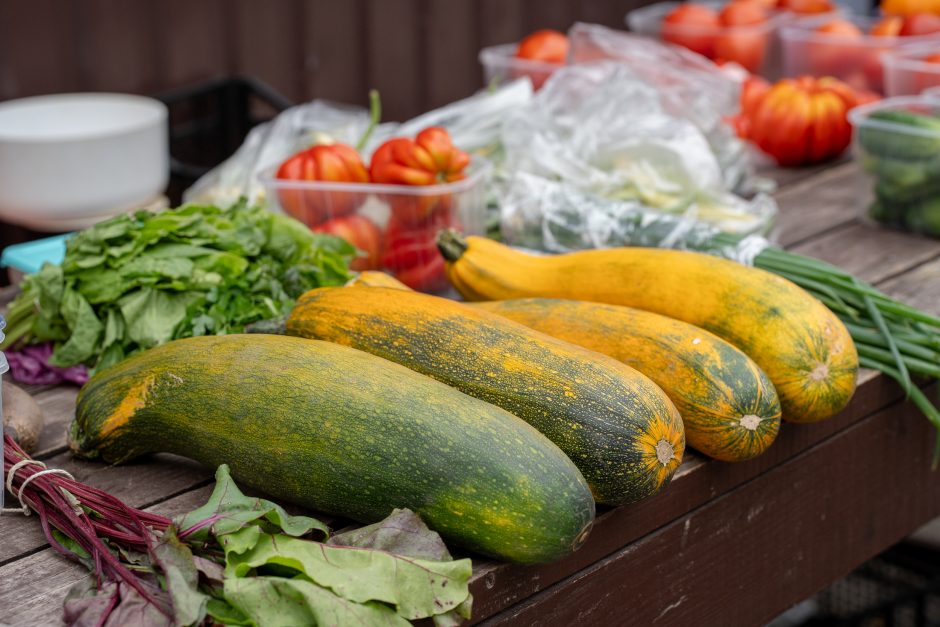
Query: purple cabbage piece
30, 365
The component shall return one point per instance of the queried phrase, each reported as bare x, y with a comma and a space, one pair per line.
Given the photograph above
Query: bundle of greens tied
136, 281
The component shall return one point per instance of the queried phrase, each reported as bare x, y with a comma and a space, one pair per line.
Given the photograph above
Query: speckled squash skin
374, 278
343, 432
729, 407
616, 425
802, 346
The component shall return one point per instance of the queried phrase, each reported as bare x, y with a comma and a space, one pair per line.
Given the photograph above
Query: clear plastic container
753, 47
500, 65
855, 60
398, 223
897, 144
908, 73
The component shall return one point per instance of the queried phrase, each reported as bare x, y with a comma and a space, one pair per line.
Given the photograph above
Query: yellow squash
616, 425
801, 345
729, 407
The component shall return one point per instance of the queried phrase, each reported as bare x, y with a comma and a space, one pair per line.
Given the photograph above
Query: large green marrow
343, 432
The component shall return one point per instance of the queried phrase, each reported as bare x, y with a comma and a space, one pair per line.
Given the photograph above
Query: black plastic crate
209, 121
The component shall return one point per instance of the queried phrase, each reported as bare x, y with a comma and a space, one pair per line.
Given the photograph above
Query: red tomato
838, 53
547, 45
889, 26
746, 48
411, 252
920, 24
693, 26
430, 277
362, 233
806, 7
803, 121
840, 28
329, 163
742, 13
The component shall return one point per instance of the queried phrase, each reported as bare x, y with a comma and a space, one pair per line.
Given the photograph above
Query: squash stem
451, 244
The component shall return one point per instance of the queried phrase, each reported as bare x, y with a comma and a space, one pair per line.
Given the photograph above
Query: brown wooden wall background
418, 53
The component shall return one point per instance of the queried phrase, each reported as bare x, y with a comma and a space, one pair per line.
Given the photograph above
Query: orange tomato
806, 7
549, 46
840, 28
889, 26
744, 47
362, 233
933, 58
836, 53
693, 26
802, 121
920, 24
910, 7
742, 13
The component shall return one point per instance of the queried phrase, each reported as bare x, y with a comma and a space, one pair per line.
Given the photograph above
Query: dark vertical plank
451, 68
396, 46
557, 14
118, 45
192, 41
334, 49
38, 47
606, 12
501, 21
268, 47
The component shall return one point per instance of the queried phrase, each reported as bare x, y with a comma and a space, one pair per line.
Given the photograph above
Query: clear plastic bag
601, 138
474, 124
541, 214
689, 86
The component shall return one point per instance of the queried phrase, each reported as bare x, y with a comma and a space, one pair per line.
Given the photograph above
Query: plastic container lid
859, 117
28, 257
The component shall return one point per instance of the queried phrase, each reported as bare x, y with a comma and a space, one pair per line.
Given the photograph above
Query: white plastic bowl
74, 157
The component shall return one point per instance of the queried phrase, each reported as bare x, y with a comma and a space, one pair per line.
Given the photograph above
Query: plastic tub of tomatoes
743, 32
392, 208
911, 70
851, 47
536, 56
897, 144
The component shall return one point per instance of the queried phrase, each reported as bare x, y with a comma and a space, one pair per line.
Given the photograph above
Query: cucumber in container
897, 145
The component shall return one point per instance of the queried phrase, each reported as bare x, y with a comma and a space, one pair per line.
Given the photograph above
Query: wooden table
724, 544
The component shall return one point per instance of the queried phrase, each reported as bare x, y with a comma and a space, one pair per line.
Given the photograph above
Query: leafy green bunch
136, 281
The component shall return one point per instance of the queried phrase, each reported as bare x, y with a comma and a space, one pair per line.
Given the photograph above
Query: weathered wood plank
770, 543
334, 51
816, 204
192, 41
268, 43
395, 61
139, 485
58, 409
498, 586
32, 589
871, 252
502, 20
120, 53
451, 68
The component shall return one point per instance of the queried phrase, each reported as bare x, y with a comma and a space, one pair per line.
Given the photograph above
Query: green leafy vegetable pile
239, 560
136, 281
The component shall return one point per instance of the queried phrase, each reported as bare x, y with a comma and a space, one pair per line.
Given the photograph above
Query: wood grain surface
822, 500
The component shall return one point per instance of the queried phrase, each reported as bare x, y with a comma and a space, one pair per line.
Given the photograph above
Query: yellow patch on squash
133, 401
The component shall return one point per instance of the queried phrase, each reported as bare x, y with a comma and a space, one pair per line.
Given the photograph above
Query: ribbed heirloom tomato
802, 121
336, 163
